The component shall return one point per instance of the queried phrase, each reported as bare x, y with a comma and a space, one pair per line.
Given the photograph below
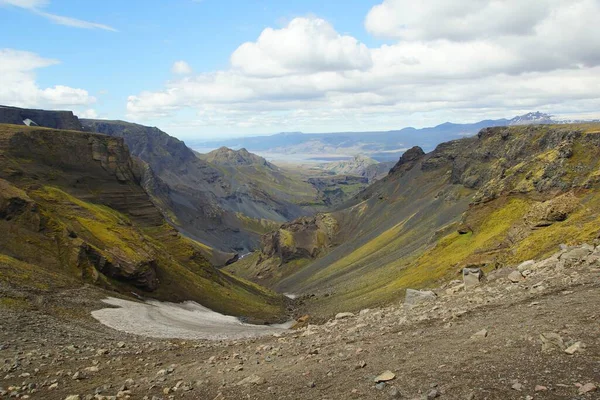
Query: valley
103, 241
300, 200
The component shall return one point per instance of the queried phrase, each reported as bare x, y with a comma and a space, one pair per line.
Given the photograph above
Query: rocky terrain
440, 280
505, 196
526, 332
197, 196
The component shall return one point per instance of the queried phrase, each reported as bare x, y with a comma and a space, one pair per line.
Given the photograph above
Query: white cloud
181, 68
456, 20
304, 45
308, 76
19, 87
37, 5
89, 113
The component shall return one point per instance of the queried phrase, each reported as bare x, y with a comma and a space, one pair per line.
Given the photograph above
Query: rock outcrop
45, 118
307, 237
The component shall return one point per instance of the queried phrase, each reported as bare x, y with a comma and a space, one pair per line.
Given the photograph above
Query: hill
508, 195
362, 166
73, 211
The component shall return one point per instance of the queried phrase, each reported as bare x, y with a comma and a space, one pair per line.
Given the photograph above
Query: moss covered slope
72, 211
508, 195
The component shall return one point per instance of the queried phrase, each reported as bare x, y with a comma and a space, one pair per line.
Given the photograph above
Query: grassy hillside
72, 211
508, 195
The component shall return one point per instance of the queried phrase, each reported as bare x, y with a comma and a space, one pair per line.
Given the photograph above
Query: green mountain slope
508, 195
72, 211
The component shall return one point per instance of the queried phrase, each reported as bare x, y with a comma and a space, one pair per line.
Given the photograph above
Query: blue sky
318, 66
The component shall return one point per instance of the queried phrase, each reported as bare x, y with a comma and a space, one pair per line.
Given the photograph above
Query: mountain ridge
504, 196
380, 145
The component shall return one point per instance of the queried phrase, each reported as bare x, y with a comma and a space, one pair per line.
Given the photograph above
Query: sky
206, 69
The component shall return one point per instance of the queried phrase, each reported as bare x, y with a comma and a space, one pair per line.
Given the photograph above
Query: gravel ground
534, 338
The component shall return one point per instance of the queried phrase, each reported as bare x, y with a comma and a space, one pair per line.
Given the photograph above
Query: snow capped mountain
532, 118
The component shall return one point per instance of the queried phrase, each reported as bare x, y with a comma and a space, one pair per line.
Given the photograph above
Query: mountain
381, 146
228, 157
219, 203
507, 195
532, 118
359, 166
225, 199
73, 211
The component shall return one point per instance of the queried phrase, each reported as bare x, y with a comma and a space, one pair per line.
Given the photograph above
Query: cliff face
51, 119
306, 237
72, 207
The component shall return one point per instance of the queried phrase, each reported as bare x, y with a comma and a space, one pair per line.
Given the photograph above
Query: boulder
516, 277
525, 265
414, 297
344, 315
472, 277
576, 254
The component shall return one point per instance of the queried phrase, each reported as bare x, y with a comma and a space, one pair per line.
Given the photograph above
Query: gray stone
395, 393
576, 254
525, 265
344, 315
252, 380
515, 277
472, 277
414, 297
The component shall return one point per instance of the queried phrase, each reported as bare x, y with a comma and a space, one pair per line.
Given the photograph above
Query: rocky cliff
222, 199
46, 118
72, 208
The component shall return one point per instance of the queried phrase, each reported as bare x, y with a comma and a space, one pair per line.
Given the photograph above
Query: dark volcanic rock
408, 160
139, 274
45, 118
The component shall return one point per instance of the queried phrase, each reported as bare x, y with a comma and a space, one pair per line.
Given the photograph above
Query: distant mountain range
381, 146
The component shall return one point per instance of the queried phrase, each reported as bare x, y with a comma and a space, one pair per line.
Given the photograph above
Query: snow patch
188, 320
